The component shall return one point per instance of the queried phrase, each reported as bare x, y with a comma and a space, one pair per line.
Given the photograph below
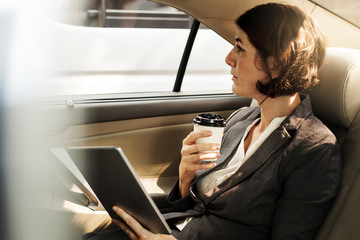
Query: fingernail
115, 208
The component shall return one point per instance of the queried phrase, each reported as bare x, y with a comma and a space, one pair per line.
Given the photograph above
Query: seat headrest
336, 99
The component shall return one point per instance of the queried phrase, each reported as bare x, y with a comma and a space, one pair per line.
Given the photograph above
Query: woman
279, 167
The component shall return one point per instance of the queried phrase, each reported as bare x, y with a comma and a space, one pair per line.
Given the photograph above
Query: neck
278, 107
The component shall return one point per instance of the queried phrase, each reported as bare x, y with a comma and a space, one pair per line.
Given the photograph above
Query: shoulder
313, 153
313, 132
312, 145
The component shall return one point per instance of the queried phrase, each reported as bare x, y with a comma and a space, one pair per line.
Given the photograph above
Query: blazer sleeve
179, 204
311, 179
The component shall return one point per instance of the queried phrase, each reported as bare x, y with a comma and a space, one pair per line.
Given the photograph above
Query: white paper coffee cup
211, 122
217, 134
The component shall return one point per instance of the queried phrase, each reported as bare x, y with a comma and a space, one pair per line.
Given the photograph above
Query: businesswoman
279, 167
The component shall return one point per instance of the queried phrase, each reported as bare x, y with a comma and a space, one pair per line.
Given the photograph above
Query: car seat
336, 102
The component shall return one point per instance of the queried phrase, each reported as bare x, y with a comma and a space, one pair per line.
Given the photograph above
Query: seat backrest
336, 101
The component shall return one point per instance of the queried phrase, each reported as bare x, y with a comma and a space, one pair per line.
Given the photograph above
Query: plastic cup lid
209, 119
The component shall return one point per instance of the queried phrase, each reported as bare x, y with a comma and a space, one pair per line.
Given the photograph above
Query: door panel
149, 131
154, 151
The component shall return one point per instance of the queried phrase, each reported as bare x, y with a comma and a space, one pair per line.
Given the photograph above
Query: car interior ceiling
222, 22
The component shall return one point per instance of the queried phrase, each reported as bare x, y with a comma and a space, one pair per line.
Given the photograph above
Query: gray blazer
283, 191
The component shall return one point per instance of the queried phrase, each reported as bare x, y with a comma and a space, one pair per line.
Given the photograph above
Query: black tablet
114, 181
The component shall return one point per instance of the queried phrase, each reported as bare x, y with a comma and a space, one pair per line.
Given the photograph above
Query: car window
135, 46
207, 70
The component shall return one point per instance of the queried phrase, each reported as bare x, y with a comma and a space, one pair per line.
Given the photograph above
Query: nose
229, 59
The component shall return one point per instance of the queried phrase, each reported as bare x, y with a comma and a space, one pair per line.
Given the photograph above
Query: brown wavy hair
289, 43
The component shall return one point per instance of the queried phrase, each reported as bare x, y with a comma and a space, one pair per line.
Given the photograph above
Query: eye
240, 49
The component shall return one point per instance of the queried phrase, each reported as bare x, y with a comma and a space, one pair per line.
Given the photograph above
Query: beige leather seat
336, 101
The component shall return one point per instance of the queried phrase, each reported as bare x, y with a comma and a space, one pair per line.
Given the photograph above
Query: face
245, 67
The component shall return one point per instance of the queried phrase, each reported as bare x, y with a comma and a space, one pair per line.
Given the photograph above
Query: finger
134, 225
197, 158
198, 165
208, 156
194, 163
189, 173
207, 165
125, 229
193, 136
199, 147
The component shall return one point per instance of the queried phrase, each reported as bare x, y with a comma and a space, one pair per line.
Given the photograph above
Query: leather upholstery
336, 101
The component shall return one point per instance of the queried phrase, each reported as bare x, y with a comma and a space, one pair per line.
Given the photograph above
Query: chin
238, 92
235, 91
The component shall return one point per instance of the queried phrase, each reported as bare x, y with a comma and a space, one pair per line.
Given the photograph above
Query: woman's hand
192, 155
133, 228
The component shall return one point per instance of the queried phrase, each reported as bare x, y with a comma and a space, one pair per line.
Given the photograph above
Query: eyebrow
238, 40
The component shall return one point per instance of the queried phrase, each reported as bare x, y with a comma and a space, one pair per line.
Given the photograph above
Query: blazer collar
303, 111
269, 147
